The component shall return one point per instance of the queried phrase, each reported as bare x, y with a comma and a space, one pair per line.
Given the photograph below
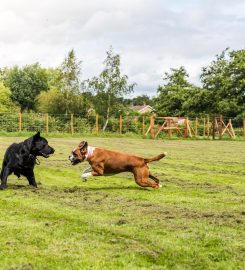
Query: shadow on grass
72, 189
118, 188
22, 187
76, 188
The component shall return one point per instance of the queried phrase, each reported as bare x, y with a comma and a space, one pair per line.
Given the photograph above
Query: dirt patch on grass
23, 267
132, 211
209, 187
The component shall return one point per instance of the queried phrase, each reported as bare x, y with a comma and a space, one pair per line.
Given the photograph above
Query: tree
109, 85
69, 79
175, 93
25, 84
141, 100
6, 104
51, 102
224, 83
54, 102
65, 94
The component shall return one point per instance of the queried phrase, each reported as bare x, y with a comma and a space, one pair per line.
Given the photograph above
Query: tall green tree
173, 96
65, 93
224, 84
69, 79
109, 85
25, 84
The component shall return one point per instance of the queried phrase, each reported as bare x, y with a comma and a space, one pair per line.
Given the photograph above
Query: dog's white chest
90, 152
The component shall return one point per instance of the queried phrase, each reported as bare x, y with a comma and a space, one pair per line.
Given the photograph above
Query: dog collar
90, 151
37, 162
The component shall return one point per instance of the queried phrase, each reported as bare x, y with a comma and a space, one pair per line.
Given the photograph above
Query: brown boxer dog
104, 162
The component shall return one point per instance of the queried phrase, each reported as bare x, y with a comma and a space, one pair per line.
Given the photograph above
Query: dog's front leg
84, 176
86, 173
92, 172
31, 178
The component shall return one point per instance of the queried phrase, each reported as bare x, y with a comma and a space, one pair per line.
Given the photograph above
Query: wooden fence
155, 127
183, 127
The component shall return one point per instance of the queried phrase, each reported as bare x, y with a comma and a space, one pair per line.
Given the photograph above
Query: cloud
150, 35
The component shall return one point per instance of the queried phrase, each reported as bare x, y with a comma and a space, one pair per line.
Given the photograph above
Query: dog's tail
147, 160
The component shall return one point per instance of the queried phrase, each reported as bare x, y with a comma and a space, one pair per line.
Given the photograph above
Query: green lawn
195, 221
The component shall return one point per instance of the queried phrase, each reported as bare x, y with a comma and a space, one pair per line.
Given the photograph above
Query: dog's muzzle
74, 160
47, 152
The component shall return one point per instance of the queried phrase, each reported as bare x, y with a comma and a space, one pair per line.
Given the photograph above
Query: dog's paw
85, 176
156, 186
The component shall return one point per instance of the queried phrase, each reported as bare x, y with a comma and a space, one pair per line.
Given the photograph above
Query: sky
151, 36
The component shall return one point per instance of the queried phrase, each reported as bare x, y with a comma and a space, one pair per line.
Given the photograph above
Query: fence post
204, 127
186, 128
46, 119
208, 126
143, 125
97, 123
72, 124
120, 124
169, 128
196, 126
220, 126
231, 129
152, 127
214, 126
20, 122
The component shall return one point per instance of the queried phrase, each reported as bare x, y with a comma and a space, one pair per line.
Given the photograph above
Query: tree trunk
66, 97
108, 113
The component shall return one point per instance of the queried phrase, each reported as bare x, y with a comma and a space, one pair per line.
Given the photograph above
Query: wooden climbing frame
181, 125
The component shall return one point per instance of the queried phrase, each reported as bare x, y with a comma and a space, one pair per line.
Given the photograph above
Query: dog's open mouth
44, 155
75, 161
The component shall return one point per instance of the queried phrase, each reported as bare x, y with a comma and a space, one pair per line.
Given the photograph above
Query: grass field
195, 221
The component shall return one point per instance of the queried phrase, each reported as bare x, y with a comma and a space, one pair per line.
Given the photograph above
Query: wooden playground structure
183, 127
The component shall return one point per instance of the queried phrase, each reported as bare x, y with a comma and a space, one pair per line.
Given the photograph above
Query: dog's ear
83, 146
37, 135
28, 143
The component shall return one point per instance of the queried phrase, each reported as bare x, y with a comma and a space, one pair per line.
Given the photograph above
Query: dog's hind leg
4, 176
154, 178
142, 178
3, 166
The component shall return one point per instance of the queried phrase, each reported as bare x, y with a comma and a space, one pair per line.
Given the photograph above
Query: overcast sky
151, 36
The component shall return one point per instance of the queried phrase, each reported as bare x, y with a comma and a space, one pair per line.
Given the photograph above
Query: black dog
20, 158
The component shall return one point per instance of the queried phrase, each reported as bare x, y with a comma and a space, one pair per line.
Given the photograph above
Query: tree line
60, 90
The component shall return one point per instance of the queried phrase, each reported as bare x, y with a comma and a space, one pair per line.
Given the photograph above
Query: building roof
142, 108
